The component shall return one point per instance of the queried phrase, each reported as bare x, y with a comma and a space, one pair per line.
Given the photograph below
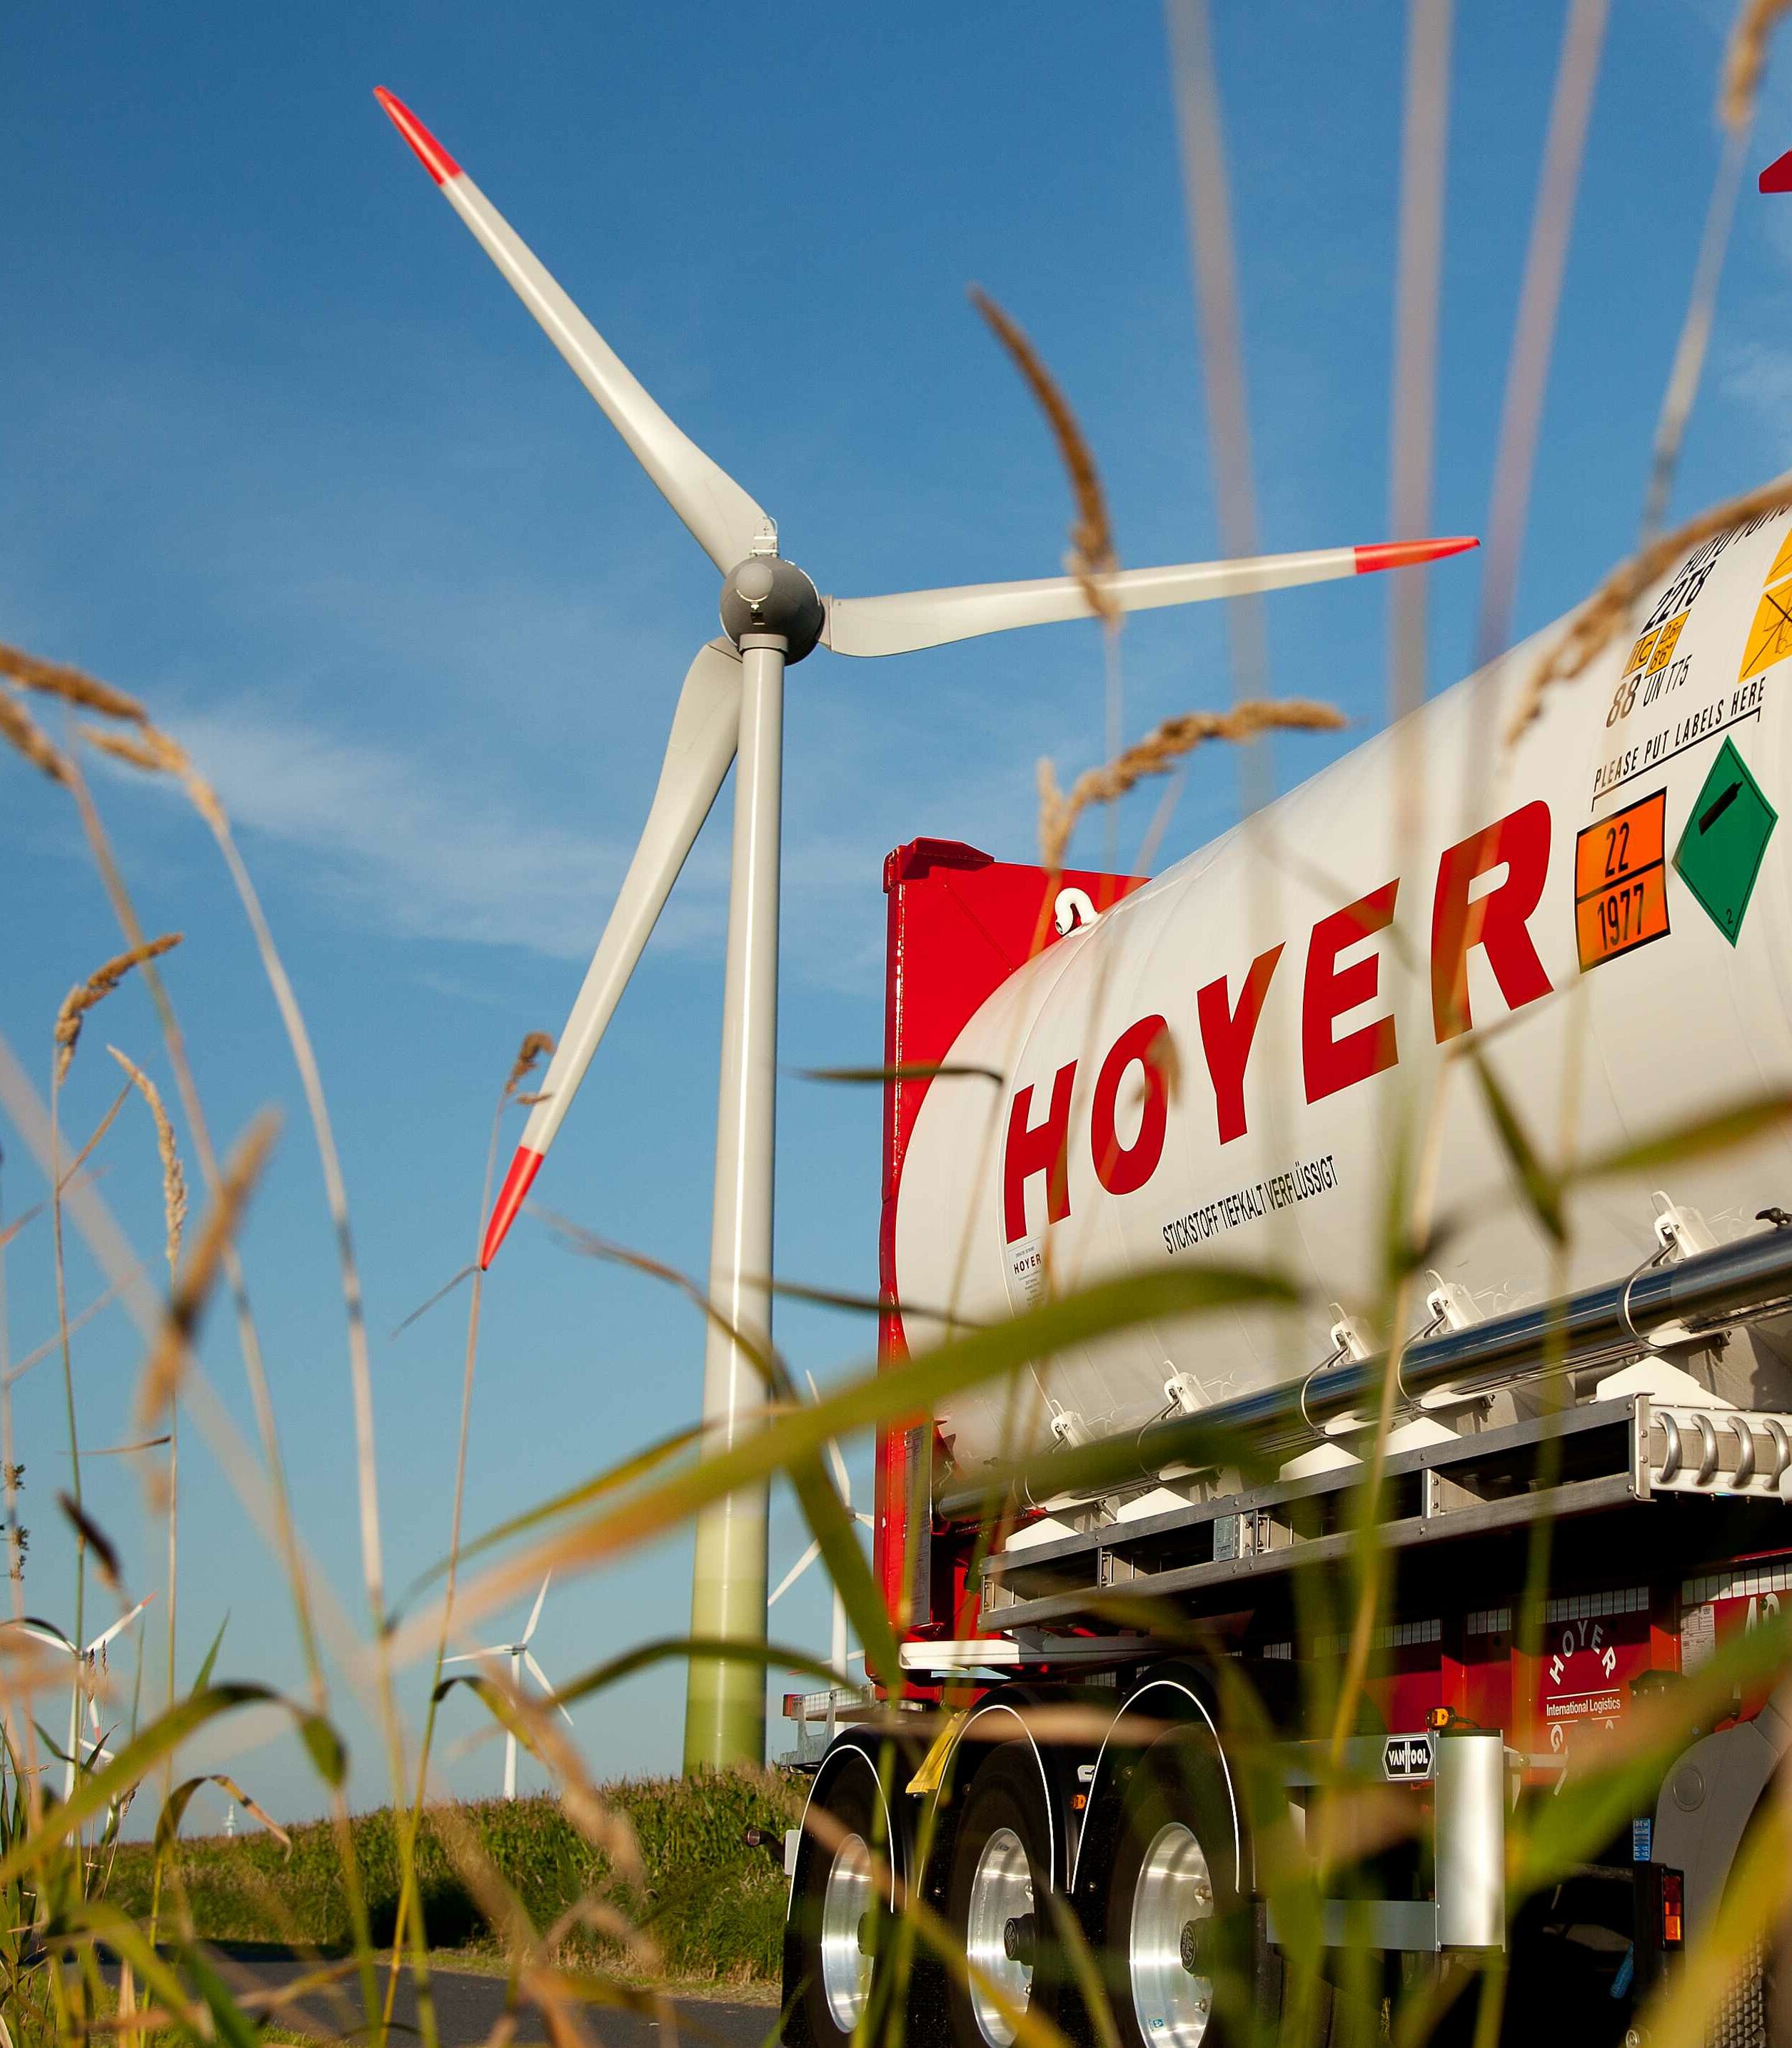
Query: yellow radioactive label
1782, 562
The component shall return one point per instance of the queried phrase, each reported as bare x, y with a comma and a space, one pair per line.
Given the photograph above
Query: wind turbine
90, 1660
733, 700
520, 1655
837, 1642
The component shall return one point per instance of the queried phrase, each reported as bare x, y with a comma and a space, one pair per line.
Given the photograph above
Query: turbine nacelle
768, 598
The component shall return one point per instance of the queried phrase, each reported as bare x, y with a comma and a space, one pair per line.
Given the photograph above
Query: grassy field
713, 1907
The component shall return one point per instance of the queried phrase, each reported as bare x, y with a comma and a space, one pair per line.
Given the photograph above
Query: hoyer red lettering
1341, 982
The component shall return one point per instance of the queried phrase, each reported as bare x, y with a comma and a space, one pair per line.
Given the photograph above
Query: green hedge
714, 1907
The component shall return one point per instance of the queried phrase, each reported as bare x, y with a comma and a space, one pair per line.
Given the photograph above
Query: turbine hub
767, 595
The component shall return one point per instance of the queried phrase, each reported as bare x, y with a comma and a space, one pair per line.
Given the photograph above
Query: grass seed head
173, 1180
56, 679
1155, 755
1091, 538
161, 1384
98, 986
535, 1047
156, 754
22, 733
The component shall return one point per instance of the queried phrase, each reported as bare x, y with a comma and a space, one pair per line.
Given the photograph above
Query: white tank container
1618, 896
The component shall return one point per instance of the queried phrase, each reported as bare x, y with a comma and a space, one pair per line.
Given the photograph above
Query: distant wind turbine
88, 1664
520, 1655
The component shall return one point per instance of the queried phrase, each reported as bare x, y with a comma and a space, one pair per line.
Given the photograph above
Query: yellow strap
934, 1764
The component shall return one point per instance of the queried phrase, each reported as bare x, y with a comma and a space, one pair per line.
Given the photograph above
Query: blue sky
286, 458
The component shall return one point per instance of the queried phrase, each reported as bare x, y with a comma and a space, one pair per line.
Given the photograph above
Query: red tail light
1673, 1898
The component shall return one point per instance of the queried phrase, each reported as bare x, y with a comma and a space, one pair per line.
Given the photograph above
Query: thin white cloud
1758, 377
411, 856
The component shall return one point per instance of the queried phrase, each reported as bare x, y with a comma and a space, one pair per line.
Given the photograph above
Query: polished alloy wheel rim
1172, 1918
999, 1933
846, 1904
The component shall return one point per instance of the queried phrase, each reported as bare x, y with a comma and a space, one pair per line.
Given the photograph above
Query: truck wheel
1174, 1932
999, 1902
837, 1913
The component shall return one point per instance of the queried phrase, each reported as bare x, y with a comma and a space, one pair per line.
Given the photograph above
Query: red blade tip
1777, 176
433, 157
1403, 554
510, 1198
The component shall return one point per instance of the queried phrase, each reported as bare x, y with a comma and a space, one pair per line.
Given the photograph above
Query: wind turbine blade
535, 1612
795, 1573
842, 1478
44, 1631
546, 1684
123, 1622
480, 1656
705, 729
725, 520
840, 1475
900, 623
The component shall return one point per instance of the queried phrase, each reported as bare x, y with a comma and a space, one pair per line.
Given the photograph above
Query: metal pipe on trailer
1673, 1303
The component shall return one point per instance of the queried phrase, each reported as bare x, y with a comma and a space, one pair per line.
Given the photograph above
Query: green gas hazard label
1720, 852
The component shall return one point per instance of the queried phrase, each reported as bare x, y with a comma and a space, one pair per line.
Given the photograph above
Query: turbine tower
733, 700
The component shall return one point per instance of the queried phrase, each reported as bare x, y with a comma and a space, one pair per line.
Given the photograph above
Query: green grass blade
1540, 1188
911, 1389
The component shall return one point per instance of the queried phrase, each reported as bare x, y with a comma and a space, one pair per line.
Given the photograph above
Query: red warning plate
1620, 885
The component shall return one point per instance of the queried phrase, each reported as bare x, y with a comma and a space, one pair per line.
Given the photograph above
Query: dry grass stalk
1092, 554
98, 986
1745, 61
86, 1151
1153, 755
162, 1376
535, 1047
156, 754
173, 1181
1606, 613
23, 735
56, 679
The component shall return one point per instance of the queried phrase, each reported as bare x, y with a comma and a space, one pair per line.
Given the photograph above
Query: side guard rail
1675, 1303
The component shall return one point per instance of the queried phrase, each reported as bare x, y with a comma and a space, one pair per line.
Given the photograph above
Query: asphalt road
468, 2005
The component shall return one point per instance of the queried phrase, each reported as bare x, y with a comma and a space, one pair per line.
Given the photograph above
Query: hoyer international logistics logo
1228, 1011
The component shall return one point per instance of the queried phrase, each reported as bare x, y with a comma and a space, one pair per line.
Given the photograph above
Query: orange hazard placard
1620, 885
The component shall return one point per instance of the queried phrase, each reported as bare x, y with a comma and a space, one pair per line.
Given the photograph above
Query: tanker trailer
1235, 1062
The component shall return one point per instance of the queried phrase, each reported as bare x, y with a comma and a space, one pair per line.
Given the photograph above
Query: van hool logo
1406, 1756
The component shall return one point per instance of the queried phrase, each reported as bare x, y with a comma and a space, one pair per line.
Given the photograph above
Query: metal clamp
1708, 1449
1745, 1452
1782, 1452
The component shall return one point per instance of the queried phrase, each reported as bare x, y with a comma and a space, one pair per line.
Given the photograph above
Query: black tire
829, 1984
998, 1897
1175, 1931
